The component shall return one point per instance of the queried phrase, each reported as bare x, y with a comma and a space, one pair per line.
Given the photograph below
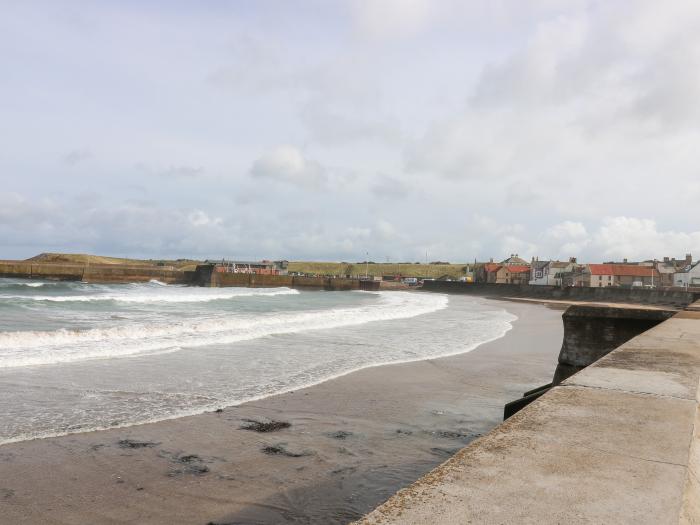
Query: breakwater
658, 296
103, 273
203, 275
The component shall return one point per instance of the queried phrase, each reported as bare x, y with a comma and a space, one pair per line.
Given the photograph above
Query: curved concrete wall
618, 442
590, 332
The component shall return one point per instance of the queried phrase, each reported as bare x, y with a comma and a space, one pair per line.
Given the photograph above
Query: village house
513, 274
551, 273
538, 272
668, 267
689, 276
263, 267
488, 272
514, 260
619, 275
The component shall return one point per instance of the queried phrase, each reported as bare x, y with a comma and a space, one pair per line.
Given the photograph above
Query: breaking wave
160, 295
27, 348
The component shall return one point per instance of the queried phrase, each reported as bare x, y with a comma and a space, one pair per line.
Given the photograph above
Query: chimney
688, 258
624, 260
665, 259
572, 260
491, 260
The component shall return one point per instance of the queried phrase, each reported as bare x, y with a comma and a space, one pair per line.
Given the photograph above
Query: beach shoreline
352, 442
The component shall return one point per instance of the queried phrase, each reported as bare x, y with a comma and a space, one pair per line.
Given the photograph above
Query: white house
549, 272
690, 276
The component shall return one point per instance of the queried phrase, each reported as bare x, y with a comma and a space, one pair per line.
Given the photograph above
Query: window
600, 284
600, 277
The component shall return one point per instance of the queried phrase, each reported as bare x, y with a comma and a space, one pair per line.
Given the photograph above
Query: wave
197, 295
502, 326
23, 285
29, 348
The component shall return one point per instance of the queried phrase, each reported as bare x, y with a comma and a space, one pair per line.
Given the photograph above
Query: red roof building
490, 270
513, 274
621, 275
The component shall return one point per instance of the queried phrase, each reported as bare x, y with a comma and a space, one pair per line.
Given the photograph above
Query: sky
394, 130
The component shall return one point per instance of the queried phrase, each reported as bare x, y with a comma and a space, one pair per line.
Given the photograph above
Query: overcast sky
329, 129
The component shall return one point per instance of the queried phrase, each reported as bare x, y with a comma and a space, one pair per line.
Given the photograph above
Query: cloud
385, 230
385, 187
200, 218
392, 18
333, 124
482, 128
634, 238
288, 164
566, 239
182, 171
76, 157
567, 230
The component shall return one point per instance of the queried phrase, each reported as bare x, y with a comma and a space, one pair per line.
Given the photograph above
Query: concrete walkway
616, 443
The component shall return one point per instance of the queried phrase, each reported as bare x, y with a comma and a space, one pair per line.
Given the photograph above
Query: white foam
16, 283
160, 295
26, 348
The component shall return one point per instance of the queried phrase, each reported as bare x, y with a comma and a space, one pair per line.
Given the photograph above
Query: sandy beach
351, 442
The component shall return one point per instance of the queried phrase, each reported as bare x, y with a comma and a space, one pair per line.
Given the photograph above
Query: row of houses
263, 267
668, 272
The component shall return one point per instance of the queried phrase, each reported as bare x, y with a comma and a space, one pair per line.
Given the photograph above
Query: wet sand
352, 442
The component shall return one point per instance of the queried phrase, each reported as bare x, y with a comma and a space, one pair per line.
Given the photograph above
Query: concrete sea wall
617, 442
205, 276
591, 332
671, 297
202, 276
274, 281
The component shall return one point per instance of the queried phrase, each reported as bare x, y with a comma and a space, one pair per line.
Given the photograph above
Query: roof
622, 270
514, 259
536, 265
517, 268
663, 268
560, 264
491, 267
689, 267
243, 263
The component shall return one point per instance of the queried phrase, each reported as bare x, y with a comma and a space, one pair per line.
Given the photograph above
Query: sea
78, 357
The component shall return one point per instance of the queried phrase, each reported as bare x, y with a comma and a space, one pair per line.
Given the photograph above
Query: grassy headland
83, 258
431, 271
